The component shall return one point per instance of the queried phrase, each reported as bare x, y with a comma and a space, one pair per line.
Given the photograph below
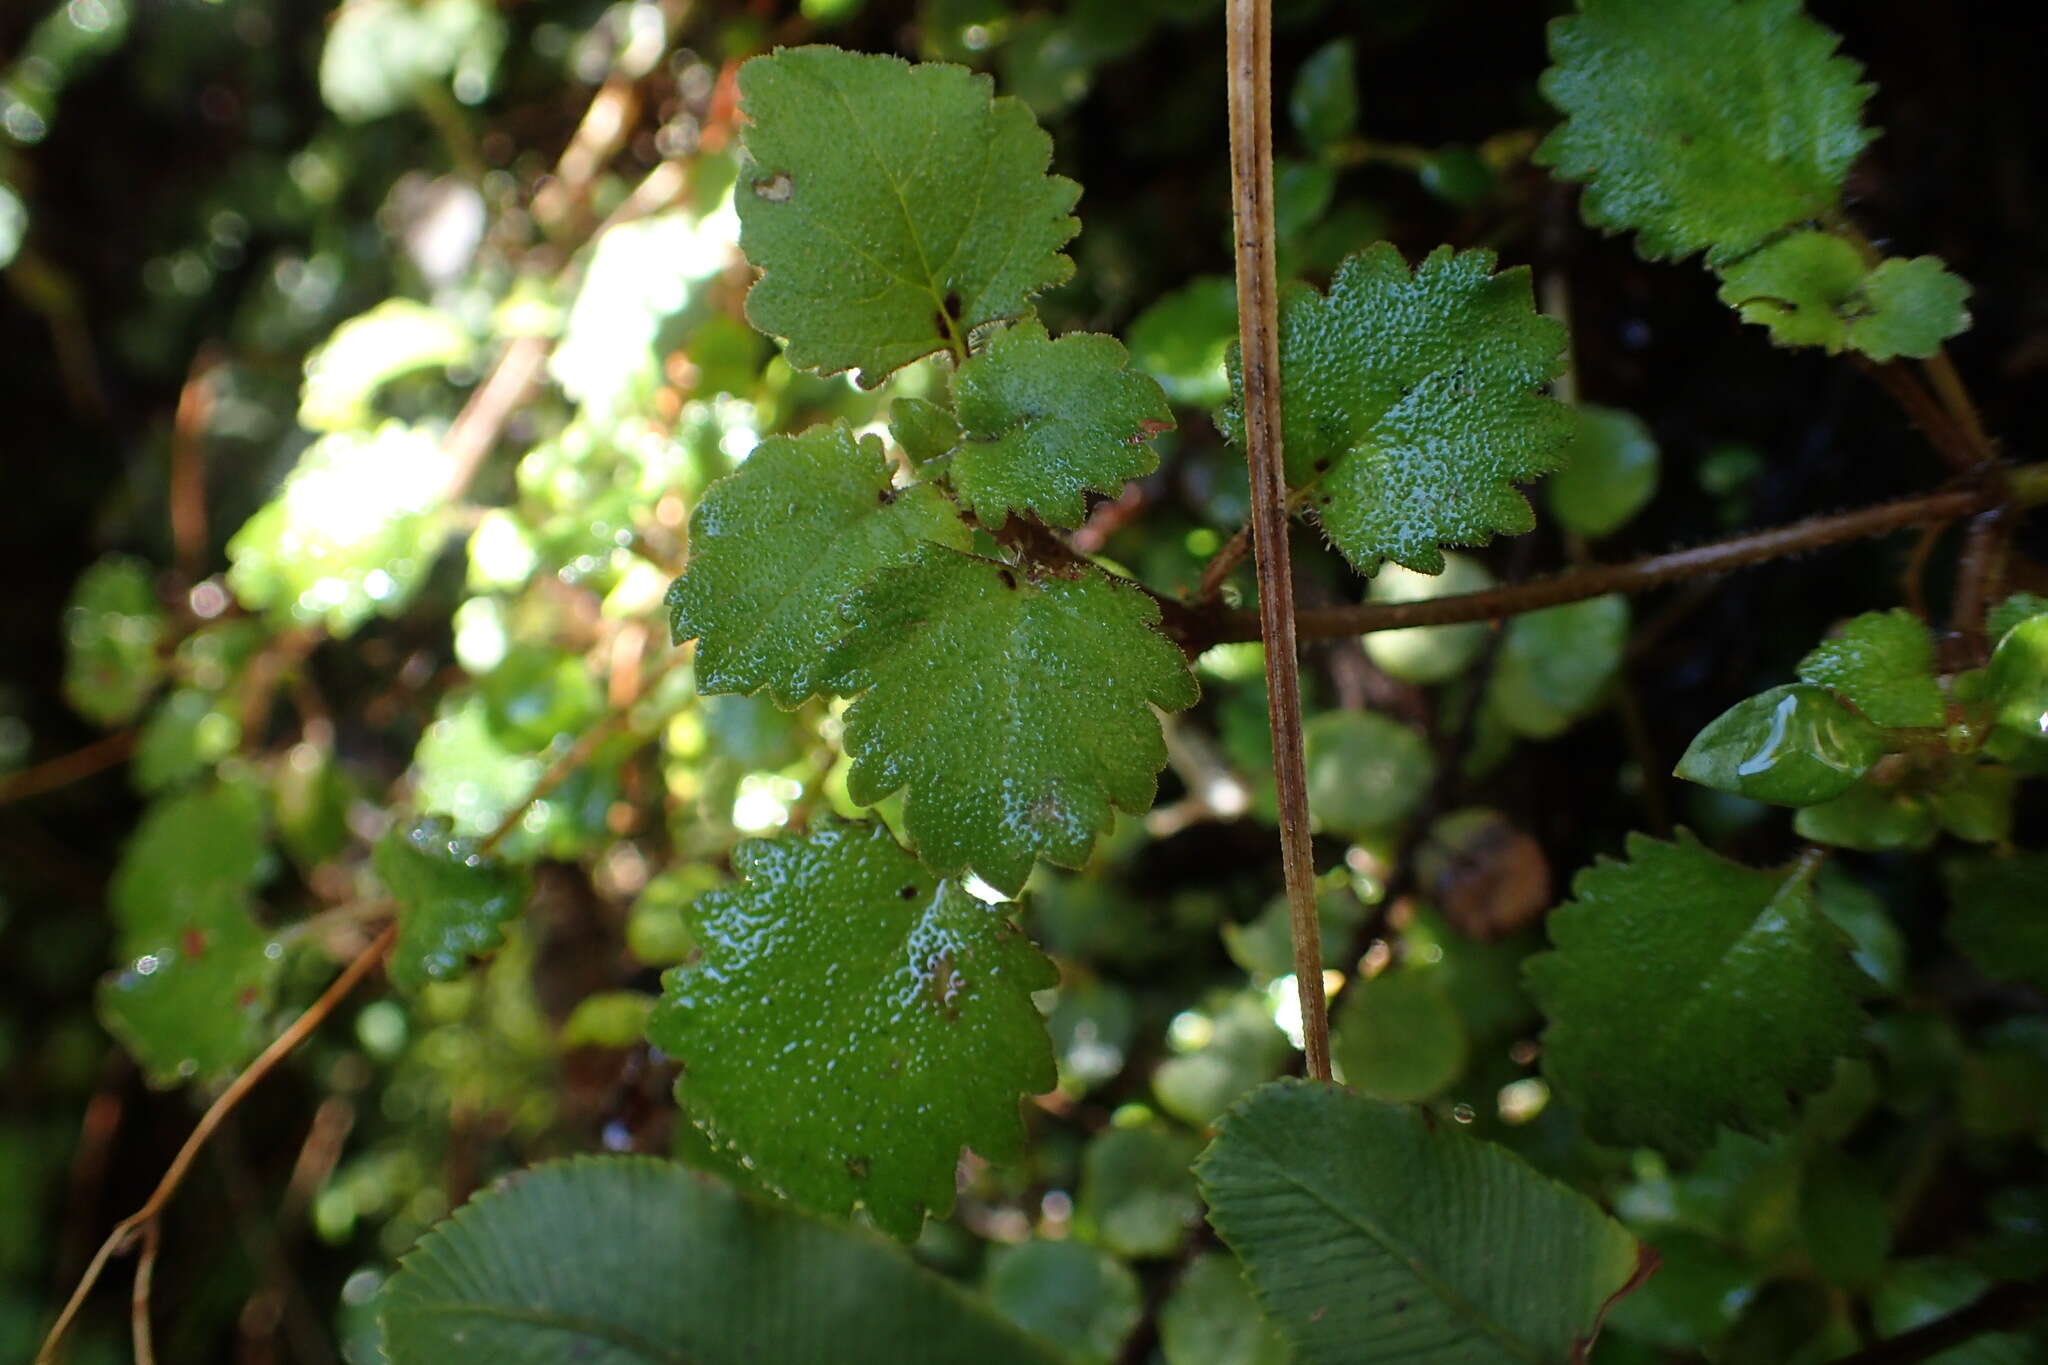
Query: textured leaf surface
778, 546
853, 1022
1882, 663
633, 1261
1016, 710
1049, 421
1813, 289
891, 208
112, 626
1688, 991
1796, 745
198, 971
1608, 475
1701, 124
1373, 1234
1412, 403
1998, 915
453, 903
352, 533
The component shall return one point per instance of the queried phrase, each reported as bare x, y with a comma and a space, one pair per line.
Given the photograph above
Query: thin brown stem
187, 483
1634, 576
1250, 59
1956, 401
65, 769
140, 1221
138, 1295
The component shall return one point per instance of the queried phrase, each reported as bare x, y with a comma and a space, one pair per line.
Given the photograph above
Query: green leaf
1137, 1198
1701, 124
1912, 307
1212, 1319
1813, 289
1429, 654
351, 534
1609, 474
1016, 709
186, 735
891, 209
193, 1005
1373, 1233
193, 859
1881, 663
113, 628
1183, 340
1998, 917
1397, 1036
634, 1261
1845, 1218
924, 430
1687, 991
380, 52
616, 1019
198, 971
453, 903
1554, 665
1049, 421
2016, 683
1241, 1047
1871, 817
853, 1022
397, 337
1324, 100
13, 224
1069, 1293
1367, 772
1412, 404
2013, 610
776, 547
1796, 745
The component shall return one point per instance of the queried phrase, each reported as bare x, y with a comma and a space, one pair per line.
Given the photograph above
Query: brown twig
143, 1220
65, 769
1631, 577
138, 1294
187, 483
1251, 174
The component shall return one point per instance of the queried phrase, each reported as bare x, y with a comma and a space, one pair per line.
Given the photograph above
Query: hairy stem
1251, 176
1640, 574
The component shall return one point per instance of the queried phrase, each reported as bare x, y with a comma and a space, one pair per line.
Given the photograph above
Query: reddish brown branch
1258, 310
1634, 576
65, 769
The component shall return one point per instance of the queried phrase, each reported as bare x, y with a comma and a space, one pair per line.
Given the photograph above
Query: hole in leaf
776, 189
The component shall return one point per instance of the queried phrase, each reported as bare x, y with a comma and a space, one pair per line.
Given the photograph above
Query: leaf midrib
1386, 1242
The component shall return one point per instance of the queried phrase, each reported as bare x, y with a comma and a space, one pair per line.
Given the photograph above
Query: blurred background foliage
364, 368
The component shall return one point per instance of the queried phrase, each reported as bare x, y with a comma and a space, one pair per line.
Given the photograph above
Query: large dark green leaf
632, 1261
1374, 1233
